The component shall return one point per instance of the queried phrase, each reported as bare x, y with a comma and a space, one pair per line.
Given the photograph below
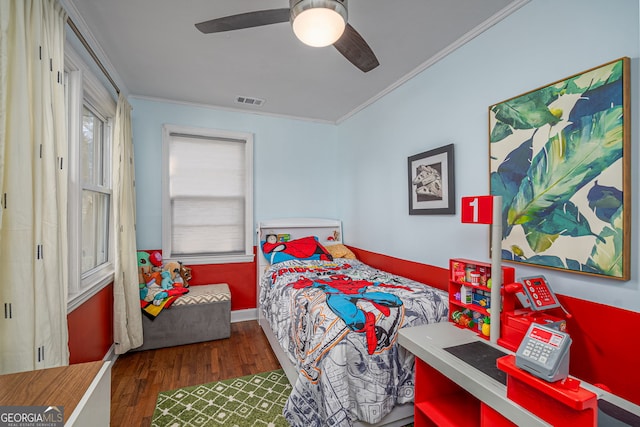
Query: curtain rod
92, 53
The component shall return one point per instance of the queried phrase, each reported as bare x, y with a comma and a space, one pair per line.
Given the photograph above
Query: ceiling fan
315, 22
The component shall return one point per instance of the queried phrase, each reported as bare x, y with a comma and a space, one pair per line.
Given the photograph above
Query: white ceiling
154, 50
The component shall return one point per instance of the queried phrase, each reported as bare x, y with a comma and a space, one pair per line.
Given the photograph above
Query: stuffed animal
155, 258
185, 274
173, 268
166, 283
153, 278
144, 266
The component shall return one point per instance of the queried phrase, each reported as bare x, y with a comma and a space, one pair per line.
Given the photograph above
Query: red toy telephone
539, 295
535, 296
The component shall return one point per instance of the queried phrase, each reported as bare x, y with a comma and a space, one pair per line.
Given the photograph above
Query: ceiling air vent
247, 100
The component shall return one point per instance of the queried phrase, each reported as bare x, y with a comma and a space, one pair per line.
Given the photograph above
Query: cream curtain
127, 327
33, 186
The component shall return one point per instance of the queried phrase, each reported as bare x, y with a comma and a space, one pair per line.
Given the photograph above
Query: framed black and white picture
431, 182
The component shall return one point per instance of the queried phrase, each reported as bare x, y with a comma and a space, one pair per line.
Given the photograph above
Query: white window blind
209, 196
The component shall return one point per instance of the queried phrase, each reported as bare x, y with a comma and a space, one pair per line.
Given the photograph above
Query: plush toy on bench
202, 313
183, 275
157, 282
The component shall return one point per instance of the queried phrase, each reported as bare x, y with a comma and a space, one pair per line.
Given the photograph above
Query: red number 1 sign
477, 209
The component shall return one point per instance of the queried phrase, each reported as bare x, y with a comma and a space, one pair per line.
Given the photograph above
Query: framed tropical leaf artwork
560, 159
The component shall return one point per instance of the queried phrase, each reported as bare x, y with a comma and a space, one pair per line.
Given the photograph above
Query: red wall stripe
601, 352
91, 328
600, 333
241, 278
435, 276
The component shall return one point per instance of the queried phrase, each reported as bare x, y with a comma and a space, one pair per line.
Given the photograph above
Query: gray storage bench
203, 314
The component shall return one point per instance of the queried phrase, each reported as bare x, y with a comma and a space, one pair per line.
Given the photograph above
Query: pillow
340, 251
304, 248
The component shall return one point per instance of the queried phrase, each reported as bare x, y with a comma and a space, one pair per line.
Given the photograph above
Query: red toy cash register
525, 303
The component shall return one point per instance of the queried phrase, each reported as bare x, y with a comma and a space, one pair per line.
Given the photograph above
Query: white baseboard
244, 315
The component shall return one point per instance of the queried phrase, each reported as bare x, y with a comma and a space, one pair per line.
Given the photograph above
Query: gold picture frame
560, 159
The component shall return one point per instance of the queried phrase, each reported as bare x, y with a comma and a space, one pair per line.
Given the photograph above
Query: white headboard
328, 231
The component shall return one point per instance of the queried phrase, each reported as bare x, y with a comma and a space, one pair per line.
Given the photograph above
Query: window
207, 195
96, 193
90, 110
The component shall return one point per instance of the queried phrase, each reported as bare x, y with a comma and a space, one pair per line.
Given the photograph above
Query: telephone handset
536, 296
539, 293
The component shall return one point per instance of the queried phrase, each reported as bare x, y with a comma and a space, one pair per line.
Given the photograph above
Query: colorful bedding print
338, 322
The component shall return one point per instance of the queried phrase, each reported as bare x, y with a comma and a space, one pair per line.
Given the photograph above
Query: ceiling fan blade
353, 47
244, 20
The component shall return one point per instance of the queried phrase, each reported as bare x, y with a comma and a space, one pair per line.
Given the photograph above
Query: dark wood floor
137, 377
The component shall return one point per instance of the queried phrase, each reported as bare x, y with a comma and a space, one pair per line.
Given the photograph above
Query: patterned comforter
338, 322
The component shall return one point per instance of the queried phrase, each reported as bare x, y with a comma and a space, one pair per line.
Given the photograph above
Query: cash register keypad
537, 350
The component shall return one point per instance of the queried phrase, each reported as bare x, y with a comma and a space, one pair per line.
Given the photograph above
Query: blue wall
542, 42
357, 170
295, 168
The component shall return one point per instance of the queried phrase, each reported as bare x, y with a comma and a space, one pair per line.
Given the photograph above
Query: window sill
199, 260
91, 286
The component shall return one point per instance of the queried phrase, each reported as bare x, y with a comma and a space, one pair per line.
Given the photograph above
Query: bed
332, 322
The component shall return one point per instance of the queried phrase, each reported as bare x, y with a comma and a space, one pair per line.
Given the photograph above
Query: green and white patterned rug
251, 401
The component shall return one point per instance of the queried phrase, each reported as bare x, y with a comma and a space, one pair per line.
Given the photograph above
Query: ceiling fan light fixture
318, 23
